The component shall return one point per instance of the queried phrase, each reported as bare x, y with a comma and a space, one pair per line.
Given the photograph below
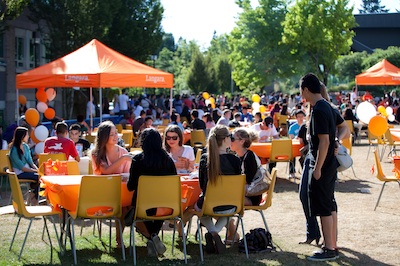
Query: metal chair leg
380, 194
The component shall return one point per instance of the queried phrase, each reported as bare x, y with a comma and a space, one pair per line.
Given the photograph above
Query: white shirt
270, 132
123, 102
187, 153
90, 110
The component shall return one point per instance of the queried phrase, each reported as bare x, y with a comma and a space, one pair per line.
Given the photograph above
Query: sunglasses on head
232, 137
173, 138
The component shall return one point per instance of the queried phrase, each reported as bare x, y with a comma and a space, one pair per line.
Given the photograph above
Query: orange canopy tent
382, 73
95, 65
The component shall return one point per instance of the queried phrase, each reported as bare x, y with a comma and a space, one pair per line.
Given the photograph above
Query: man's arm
343, 131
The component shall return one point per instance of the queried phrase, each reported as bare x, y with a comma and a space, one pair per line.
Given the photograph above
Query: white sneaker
158, 244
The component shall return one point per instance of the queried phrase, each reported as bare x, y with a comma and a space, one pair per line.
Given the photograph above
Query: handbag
260, 182
344, 159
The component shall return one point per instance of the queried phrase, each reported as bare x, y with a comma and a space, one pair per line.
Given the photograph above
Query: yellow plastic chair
90, 138
198, 138
375, 141
119, 128
198, 156
391, 143
128, 127
381, 176
351, 127
99, 198
43, 157
348, 143
161, 129
265, 204
167, 194
127, 136
3, 168
165, 122
281, 151
29, 212
135, 151
227, 191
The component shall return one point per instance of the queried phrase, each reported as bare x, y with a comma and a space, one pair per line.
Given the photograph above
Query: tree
348, 66
198, 78
392, 54
254, 43
10, 10
319, 32
372, 6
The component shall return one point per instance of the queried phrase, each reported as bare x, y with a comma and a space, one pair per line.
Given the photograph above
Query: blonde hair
247, 135
215, 139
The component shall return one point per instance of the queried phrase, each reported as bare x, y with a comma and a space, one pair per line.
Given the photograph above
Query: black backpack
258, 240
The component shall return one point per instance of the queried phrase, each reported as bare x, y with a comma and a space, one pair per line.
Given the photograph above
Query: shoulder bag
260, 182
344, 159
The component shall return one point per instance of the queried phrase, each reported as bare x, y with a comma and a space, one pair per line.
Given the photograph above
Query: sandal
219, 246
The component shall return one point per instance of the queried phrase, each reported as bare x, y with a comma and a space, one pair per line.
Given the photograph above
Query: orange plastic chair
391, 143
381, 176
281, 151
99, 198
227, 191
167, 195
267, 202
375, 141
198, 138
29, 212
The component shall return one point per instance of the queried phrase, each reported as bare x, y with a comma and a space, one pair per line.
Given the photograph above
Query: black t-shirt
198, 124
303, 133
85, 144
324, 119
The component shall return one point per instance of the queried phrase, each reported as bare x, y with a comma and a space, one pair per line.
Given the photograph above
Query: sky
198, 19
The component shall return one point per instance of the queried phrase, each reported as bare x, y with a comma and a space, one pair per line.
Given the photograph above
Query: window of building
19, 52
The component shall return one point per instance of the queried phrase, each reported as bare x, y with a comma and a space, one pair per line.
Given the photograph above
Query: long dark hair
19, 135
154, 156
103, 133
175, 129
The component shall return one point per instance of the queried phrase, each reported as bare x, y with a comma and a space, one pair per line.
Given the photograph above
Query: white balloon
207, 102
365, 111
39, 148
41, 133
41, 107
389, 110
51, 94
391, 118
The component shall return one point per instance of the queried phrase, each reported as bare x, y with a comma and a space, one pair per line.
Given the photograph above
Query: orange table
186, 135
263, 150
395, 133
63, 191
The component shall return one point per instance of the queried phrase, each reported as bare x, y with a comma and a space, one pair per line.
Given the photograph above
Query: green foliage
372, 6
348, 66
254, 42
392, 54
11, 9
319, 31
199, 78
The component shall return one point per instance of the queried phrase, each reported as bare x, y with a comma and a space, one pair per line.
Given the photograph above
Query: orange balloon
41, 96
32, 117
263, 109
212, 100
206, 95
33, 137
41, 88
22, 99
49, 113
378, 125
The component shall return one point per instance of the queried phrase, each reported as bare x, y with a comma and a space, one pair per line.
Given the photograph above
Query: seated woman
109, 158
212, 164
182, 155
154, 160
22, 163
240, 143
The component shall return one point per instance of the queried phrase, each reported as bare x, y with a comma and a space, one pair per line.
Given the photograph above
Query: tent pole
17, 110
170, 103
91, 109
101, 103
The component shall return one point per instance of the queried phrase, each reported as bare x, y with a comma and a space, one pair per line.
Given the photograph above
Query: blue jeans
311, 221
31, 176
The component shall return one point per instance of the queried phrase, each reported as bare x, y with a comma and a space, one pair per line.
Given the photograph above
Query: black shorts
322, 194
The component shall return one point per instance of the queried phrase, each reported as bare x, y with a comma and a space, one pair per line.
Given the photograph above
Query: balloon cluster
32, 114
377, 123
209, 100
256, 105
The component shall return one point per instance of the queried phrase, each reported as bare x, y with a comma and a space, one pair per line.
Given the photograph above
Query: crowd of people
231, 126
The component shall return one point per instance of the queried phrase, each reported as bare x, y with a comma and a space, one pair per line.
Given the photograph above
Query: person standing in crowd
61, 143
225, 118
235, 122
293, 134
212, 164
154, 160
22, 162
323, 124
82, 145
123, 101
208, 120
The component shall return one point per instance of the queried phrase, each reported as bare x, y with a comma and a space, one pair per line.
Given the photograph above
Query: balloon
22, 99
41, 107
255, 106
381, 109
213, 105
389, 110
212, 101
206, 95
256, 98
391, 118
41, 96
33, 137
365, 111
41, 133
39, 148
207, 102
49, 113
263, 109
32, 117
41, 88
378, 125
51, 94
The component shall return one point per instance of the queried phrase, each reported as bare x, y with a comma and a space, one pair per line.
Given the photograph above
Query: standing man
124, 104
324, 121
61, 143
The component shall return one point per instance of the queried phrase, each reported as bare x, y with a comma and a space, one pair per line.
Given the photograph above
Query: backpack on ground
258, 240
